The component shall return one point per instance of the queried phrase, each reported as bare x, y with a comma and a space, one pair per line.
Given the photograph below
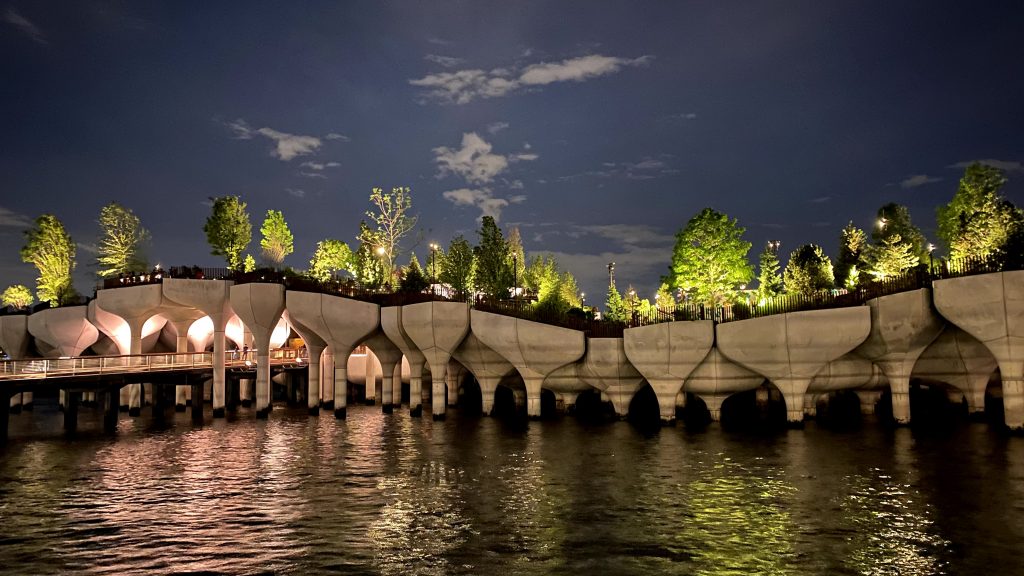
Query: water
389, 494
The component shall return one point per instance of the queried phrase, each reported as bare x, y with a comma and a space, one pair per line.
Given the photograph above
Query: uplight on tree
277, 241
17, 296
49, 248
710, 258
228, 230
121, 242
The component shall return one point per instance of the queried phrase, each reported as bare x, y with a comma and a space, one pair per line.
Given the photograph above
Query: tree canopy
277, 241
891, 257
331, 256
808, 271
978, 221
894, 219
121, 242
50, 249
852, 243
413, 278
393, 220
228, 230
709, 260
769, 277
17, 296
458, 267
493, 267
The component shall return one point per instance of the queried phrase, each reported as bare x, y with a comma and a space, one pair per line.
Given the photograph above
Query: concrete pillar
437, 329
197, 406
519, 397
416, 391
313, 378
219, 392
340, 389
665, 354
370, 370
181, 346
71, 411
5, 420
260, 307
27, 402
868, 400
975, 401
714, 404
15, 404
110, 408
391, 324
533, 392
396, 384
245, 391
569, 402
488, 385
810, 405
327, 371
1013, 402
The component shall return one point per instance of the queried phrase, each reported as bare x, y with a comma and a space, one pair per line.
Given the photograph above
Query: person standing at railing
245, 353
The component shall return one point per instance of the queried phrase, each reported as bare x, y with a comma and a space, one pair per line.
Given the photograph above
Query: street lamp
433, 264
881, 223
583, 300
632, 304
611, 274
931, 261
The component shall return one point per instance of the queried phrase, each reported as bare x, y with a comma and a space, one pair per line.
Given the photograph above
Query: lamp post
433, 265
931, 261
611, 274
515, 276
583, 300
632, 306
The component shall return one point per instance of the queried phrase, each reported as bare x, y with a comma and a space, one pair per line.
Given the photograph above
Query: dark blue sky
599, 128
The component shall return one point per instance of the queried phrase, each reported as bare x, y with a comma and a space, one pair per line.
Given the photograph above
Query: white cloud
473, 161
483, 199
336, 136
312, 175
241, 129
14, 18
90, 248
446, 61
463, 86
646, 169
290, 145
12, 219
1004, 165
918, 180
295, 192
682, 116
319, 165
496, 127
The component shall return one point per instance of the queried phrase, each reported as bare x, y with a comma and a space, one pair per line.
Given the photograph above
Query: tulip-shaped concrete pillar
665, 354
390, 356
260, 306
315, 346
990, 308
959, 359
716, 378
62, 332
607, 368
536, 350
181, 318
213, 298
902, 326
789, 349
391, 324
135, 305
341, 323
437, 329
487, 366
327, 378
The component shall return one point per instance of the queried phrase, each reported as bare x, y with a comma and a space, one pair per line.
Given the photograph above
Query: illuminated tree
458, 267
894, 219
978, 221
228, 230
516, 256
49, 248
413, 278
277, 241
368, 261
710, 258
493, 266
331, 256
852, 243
393, 221
248, 264
769, 278
614, 306
890, 258
120, 247
808, 271
17, 296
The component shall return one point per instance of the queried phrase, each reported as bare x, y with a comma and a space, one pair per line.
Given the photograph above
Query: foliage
615, 308
120, 249
413, 279
710, 258
852, 243
458, 267
493, 268
891, 257
664, 301
516, 257
277, 241
331, 256
49, 248
769, 278
17, 296
228, 230
249, 264
541, 276
569, 290
894, 219
978, 221
808, 271
393, 222
368, 266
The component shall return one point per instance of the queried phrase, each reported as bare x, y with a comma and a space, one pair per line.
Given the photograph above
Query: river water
390, 494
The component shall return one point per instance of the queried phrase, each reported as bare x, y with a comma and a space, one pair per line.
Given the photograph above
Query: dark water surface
388, 494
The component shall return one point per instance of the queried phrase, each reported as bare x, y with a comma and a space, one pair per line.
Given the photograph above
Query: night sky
598, 128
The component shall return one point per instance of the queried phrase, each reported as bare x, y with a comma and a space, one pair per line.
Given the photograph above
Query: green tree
769, 278
120, 249
17, 296
248, 264
493, 268
894, 219
852, 243
277, 241
458, 267
367, 261
228, 230
891, 257
569, 290
978, 221
49, 248
413, 279
331, 256
516, 259
615, 309
710, 258
808, 271
541, 276
394, 222
664, 300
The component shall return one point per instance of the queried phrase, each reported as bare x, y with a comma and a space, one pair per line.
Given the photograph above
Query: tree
516, 257
49, 248
664, 301
978, 221
569, 290
614, 306
894, 219
120, 249
710, 258
493, 268
248, 264
228, 230
769, 278
413, 279
393, 221
541, 276
852, 243
277, 239
17, 296
890, 258
808, 271
330, 257
457, 267
368, 261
